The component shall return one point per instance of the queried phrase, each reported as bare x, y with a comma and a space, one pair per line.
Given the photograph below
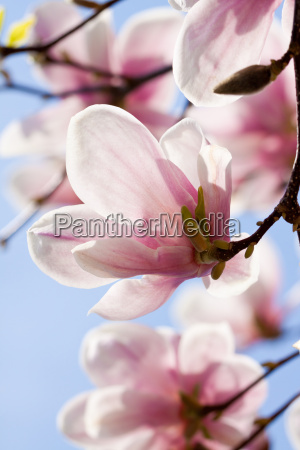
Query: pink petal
117, 411
70, 420
202, 344
107, 147
44, 132
216, 40
144, 45
53, 255
214, 169
195, 305
32, 181
239, 274
124, 258
224, 434
129, 299
288, 16
292, 424
182, 144
128, 354
226, 379
52, 20
99, 39
157, 122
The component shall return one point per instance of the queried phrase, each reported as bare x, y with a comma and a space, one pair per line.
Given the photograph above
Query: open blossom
293, 424
115, 165
260, 131
252, 315
147, 383
217, 39
145, 44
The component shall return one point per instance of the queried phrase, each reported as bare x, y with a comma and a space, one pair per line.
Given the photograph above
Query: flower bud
246, 81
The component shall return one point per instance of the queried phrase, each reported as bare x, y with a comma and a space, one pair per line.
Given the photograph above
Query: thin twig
30, 210
130, 85
265, 422
7, 51
85, 68
272, 366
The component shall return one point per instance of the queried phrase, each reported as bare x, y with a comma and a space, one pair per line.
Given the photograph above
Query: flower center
196, 230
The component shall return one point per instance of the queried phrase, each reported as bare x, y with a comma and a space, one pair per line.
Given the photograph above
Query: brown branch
263, 423
7, 51
30, 211
130, 85
288, 207
115, 90
85, 68
271, 367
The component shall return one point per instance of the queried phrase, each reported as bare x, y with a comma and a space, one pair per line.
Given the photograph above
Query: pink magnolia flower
134, 175
217, 39
252, 315
292, 424
148, 382
260, 131
144, 45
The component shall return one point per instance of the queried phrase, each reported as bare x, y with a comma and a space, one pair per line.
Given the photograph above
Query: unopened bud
249, 251
259, 223
217, 270
246, 81
223, 245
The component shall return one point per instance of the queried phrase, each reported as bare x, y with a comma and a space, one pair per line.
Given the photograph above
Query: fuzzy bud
246, 81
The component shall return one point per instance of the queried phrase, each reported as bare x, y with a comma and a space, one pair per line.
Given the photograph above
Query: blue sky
43, 323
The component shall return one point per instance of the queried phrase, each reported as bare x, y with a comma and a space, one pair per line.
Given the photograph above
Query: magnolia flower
252, 315
150, 383
115, 165
260, 131
292, 424
144, 45
217, 39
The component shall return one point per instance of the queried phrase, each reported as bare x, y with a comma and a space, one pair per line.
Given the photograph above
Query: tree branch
7, 51
30, 210
265, 422
271, 367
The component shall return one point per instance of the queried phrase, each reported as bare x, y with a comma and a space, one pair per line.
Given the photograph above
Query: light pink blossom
116, 166
293, 424
142, 376
260, 131
217, 39
144, 45
252, 315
